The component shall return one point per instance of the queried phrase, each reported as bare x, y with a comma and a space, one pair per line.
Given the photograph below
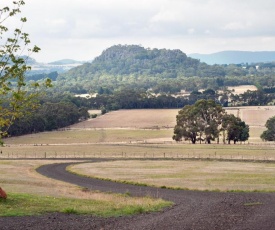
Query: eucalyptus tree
269, 134
200, 121
205, 120
210, 114
188, 125
15, 48
234, 129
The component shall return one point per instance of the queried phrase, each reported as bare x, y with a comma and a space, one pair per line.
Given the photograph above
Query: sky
82, 29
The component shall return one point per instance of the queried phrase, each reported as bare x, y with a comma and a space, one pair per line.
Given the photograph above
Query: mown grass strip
253, 204
26, 204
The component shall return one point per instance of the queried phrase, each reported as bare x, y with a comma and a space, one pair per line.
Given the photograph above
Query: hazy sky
82, 29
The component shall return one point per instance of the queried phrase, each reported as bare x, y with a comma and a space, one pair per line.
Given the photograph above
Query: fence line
145, 155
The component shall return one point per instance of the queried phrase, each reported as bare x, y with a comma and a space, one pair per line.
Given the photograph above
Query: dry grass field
242, 88
256, 116
131, 126
140, 119
134, 134
142, 150
199, 175
166, 118
21, 177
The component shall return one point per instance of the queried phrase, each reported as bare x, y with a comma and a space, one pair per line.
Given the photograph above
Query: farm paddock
133, 147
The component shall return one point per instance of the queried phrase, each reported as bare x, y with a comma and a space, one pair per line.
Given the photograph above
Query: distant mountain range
135, 59
66, 62
235, 57
59, 66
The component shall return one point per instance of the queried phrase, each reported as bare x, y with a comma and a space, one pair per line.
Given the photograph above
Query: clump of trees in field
207, 121
269, 134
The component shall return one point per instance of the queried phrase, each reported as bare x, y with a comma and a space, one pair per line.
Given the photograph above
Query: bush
103, 111
93, 115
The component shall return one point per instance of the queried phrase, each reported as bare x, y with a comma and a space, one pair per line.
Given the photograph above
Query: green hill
162, 70
134, 59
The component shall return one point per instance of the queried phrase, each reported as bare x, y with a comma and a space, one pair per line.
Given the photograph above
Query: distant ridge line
235, 57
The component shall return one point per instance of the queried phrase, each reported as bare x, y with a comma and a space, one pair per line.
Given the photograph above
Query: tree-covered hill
134, 59
160, 70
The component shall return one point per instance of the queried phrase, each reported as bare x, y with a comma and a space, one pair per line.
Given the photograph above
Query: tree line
50, 115
141, 99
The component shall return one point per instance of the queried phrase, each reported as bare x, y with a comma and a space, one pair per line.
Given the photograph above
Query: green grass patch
26, 204
253, 204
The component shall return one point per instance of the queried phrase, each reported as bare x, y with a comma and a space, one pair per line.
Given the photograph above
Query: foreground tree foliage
205, 121
269, 134
15, 98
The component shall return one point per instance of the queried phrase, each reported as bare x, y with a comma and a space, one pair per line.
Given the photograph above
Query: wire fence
145, 155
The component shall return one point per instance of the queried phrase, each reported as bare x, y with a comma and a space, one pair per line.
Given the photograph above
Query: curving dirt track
192, 209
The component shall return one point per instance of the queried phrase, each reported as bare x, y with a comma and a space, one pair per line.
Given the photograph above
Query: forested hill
134, 59
125, 60
159, 70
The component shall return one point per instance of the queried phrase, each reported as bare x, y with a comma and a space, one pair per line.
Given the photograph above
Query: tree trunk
208, 140
223, 136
